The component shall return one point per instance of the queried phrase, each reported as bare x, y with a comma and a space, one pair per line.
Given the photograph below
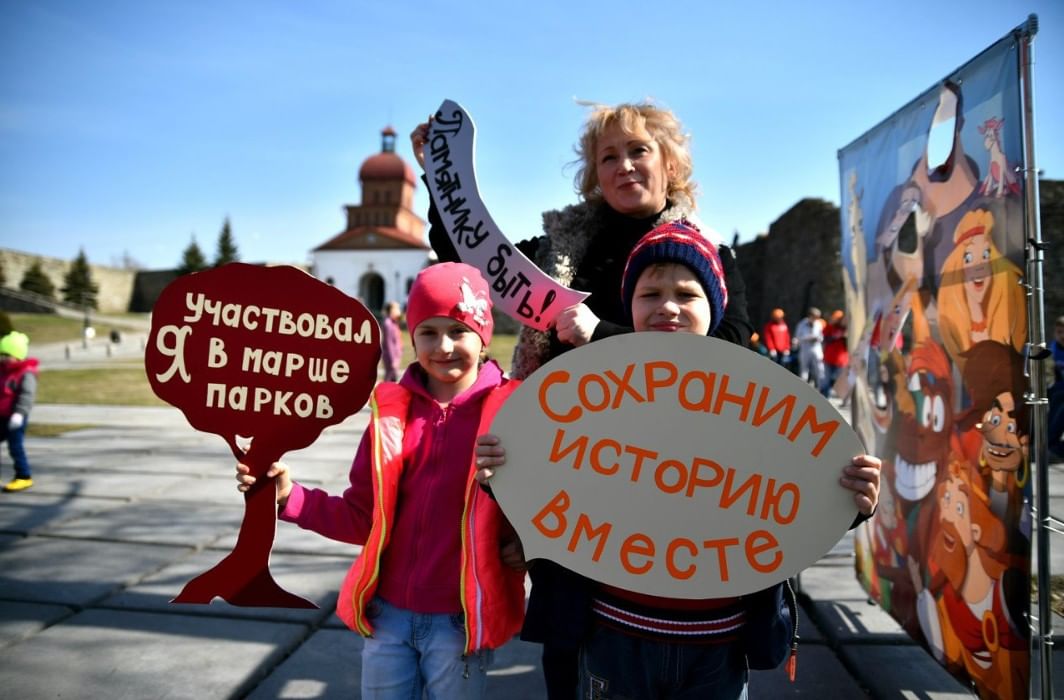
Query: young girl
641, 646
429, 592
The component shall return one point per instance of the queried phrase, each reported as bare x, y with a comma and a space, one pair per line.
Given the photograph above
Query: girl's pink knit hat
453, 290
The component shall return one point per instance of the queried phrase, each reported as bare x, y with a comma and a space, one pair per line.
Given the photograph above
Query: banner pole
1036, 353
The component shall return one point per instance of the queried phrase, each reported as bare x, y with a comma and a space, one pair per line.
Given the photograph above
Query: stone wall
116, 285
797, 264
1051, 196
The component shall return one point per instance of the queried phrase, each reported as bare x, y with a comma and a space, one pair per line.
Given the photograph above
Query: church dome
386, 165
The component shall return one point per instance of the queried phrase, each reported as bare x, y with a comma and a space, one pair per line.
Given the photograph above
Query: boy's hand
576, 325
16, 421
490, 454
278, 470
862, 477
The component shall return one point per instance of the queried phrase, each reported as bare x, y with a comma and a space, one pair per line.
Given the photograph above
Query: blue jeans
413, 652
16, 450
614, 665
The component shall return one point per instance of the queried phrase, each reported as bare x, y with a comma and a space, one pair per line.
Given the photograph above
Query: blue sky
127, 127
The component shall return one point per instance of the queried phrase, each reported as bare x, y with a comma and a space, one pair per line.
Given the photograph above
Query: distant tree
192, 259
34, 280
3, 275
126, 261
227, 251
5, 324
78, 287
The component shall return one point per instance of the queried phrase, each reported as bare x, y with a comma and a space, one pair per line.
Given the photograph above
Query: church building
382, 248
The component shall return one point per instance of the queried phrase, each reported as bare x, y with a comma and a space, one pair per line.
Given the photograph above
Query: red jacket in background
776, 336
835, 353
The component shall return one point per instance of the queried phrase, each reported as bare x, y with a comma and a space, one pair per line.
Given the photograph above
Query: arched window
371, 291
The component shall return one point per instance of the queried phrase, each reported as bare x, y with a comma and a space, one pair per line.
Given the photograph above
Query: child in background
18, 389
642, 646
391, 342
430, 591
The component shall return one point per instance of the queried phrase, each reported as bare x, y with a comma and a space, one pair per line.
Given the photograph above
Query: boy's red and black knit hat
453, 290
679, 242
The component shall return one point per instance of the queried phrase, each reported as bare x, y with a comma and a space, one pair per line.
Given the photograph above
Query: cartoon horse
999, 177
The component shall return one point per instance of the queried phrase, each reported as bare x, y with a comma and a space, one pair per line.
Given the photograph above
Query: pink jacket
418, 560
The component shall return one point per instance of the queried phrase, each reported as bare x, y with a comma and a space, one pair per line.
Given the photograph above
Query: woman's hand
418, 138
576, 325
862, 477
278, 470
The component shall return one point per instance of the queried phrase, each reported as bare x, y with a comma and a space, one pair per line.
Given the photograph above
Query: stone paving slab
75, 572
315, 578
21, 620
294, 539
900, 671
329, 665
117, 654
841, 609
218, 490
101, 484
154, 522
819, 674
28, 511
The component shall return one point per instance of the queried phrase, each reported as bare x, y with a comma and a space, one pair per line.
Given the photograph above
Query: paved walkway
123, 514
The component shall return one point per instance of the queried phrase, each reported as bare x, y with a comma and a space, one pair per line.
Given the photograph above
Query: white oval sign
674, 465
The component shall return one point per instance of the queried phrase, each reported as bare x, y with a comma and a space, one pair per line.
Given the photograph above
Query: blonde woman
633, 173
979, 297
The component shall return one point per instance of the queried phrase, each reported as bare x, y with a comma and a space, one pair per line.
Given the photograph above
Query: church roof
373, 238
386, 166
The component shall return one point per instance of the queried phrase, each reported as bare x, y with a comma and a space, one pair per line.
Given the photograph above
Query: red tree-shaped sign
269, 356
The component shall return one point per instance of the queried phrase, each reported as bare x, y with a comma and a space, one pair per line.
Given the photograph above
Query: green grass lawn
121, 385
46, 328
50, 328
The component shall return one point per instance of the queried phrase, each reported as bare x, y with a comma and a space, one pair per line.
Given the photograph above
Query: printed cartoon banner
639, 463
933, 250
266, 357
518, 287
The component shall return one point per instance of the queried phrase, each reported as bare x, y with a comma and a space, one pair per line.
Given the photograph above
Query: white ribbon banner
518, 287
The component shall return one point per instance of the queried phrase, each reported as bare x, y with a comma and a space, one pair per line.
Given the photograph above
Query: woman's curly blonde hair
660, 123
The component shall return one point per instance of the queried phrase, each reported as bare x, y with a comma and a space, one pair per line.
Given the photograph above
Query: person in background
757, 346
18, 390
430, 590
1055, 425
836, 357
777, 338
391, 342
634, 173
809, 334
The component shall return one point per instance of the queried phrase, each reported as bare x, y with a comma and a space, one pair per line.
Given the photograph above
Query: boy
645, 646
18, 389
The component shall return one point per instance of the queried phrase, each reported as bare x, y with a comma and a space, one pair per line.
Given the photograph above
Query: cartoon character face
955, 534
924, 435
976, 267
896, 315
1004, 448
